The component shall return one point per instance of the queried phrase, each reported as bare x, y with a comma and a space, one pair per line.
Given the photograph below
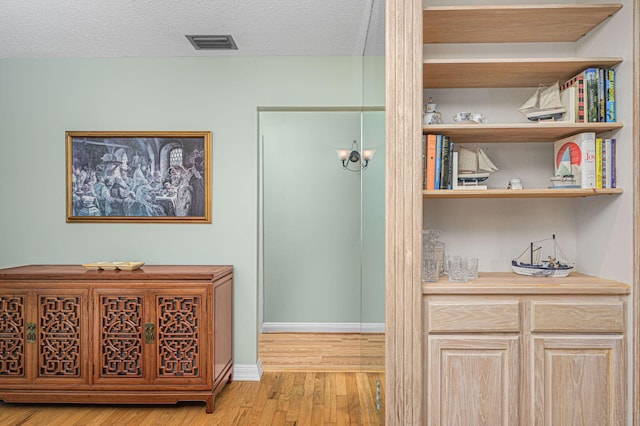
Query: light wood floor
280, 398
310, 379
322, 352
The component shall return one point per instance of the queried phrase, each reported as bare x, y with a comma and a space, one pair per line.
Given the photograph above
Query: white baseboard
322, 327
247, 372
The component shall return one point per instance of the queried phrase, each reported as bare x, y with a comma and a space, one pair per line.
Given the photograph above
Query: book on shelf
576, 155
444, 167
424, 161
450, 164
600, 171
610, 162
591, 95
431, 162
610, 95
438, 162
602, 112
572, 96
596, 102
436, 179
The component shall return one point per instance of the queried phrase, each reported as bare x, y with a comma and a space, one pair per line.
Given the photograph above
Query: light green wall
42, 98
311, 218
373, 219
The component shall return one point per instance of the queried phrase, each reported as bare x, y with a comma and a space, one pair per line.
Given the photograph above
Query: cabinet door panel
119, 345
578, 380
473, 380
181, 331
62, 336
13, 323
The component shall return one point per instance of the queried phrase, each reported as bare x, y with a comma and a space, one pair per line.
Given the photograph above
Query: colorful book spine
612, 167
444, 168
431, 161
576, 82
611, 96
591, 94
450, 168
602, 116
436, 183
606, 183
424, 161
599, 163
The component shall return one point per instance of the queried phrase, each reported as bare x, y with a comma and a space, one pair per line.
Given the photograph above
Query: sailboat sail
544, 104
474, 164
485, 163
467, 161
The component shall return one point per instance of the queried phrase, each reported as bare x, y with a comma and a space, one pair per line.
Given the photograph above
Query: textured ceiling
157, 28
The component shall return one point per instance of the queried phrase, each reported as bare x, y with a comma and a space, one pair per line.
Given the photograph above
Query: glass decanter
432, 255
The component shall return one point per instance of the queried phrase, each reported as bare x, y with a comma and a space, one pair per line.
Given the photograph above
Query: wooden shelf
518, 132
520, 193
505, 72
513, 24
512, 283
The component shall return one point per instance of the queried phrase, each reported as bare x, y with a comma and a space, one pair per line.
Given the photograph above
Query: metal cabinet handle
31, 332
149, 333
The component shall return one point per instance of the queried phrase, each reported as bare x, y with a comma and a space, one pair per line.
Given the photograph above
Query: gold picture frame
139, 177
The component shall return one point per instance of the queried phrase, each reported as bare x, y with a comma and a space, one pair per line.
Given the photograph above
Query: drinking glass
472, 267
457, 266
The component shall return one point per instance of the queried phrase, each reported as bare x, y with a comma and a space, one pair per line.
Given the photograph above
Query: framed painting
154, 177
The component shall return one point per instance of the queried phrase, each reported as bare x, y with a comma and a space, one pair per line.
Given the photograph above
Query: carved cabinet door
14, 337
61, 336
150, 337
120, 349
43, 337
183, 336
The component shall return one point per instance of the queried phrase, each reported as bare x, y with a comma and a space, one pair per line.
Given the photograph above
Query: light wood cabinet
578, 380
474, 380
161, 334
497, 353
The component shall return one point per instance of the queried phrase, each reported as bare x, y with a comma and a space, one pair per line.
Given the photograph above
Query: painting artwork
139, 177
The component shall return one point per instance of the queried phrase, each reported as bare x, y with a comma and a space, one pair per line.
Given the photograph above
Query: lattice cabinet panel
61, 336
179, 335
120, 319
13, 336
60, 351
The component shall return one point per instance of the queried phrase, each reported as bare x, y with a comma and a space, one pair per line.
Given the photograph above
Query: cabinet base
96, 397
117, 397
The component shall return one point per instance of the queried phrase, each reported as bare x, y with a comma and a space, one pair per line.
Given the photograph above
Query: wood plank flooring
309, 379
322, 352
280, 398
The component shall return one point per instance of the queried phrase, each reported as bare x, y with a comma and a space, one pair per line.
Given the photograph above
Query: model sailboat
544, 104
474, 167
532, 263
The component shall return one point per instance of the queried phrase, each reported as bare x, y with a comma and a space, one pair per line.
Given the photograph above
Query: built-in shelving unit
521, 193
508, 283
518, 132
499, 311
505, 72
512, 23
506, 23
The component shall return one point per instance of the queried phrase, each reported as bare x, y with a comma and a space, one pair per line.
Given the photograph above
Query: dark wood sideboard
156, 335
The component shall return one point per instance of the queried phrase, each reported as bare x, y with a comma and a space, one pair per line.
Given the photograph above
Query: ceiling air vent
210, 42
